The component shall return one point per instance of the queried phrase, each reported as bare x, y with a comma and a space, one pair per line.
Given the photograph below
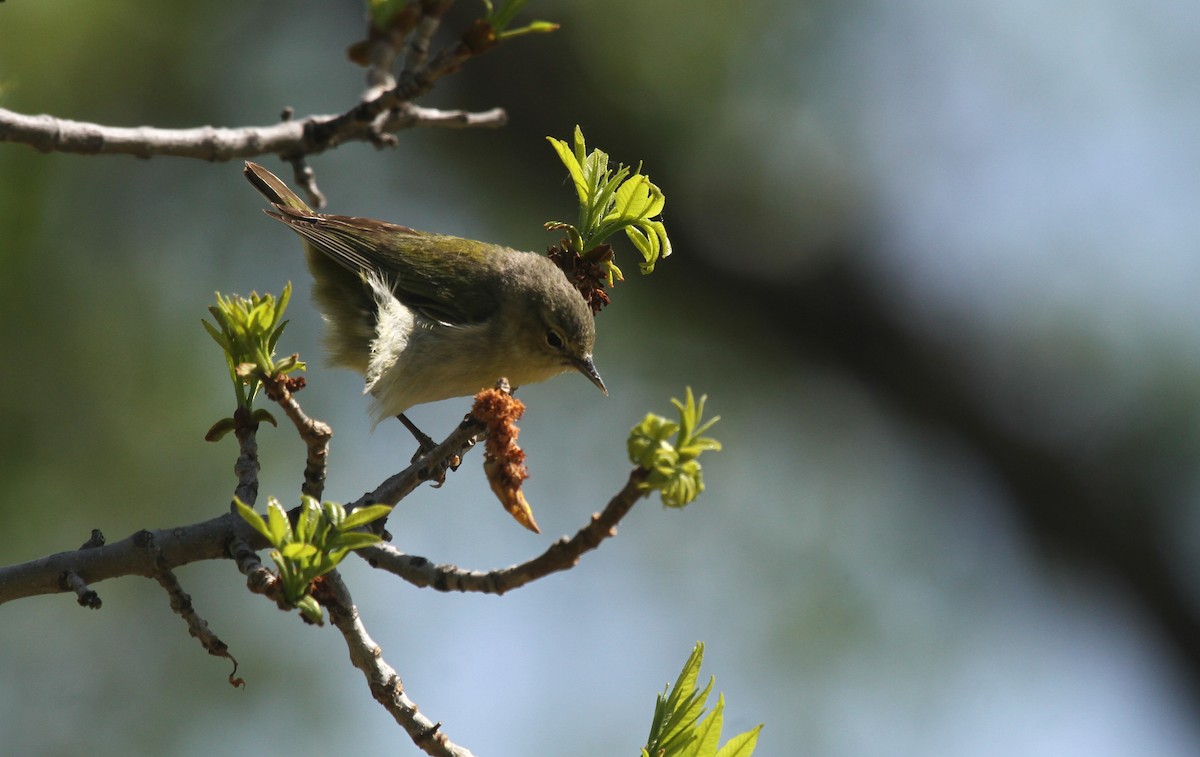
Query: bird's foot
425, 445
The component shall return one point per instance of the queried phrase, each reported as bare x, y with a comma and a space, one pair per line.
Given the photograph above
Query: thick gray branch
145, 553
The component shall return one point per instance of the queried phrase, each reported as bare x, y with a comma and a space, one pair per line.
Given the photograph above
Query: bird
426, 317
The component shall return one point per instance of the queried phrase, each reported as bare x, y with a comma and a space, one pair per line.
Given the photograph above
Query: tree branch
382, 679
427, 467
245, 428
315, 434
87, 597
561, 555
385, 113
145, 553
181, 603
309, 136
419, 40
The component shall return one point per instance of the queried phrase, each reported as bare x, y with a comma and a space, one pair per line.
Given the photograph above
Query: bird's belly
433, 370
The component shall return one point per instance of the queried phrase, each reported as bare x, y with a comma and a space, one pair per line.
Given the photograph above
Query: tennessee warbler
426, 317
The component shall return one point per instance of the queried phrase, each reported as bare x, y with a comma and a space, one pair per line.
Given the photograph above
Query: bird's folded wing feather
444, 278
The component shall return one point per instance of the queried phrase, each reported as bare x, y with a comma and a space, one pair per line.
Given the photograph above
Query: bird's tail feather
272, 187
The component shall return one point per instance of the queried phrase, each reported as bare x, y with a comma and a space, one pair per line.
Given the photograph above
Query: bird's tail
271, 187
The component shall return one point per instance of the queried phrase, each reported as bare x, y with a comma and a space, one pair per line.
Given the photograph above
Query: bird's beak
585, 366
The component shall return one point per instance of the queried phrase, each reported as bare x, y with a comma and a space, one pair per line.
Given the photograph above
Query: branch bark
308, 136
382, 679
370, 120
144, 553
147, 553
563, 554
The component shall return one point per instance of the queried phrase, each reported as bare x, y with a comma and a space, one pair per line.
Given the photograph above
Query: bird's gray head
555, 329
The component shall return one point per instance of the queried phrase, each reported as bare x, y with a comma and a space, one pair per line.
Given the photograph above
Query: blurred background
935, 266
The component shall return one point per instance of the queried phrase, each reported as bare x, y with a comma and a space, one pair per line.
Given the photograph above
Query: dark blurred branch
1068, 508
422, 37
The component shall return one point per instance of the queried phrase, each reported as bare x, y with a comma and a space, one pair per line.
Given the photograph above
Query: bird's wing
444, 278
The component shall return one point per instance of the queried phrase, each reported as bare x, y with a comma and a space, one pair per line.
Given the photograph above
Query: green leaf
216, 334
673, 465
679, 485
664, 245
708, 733
646, 243
334, 513
678, 729
574, 169
637, 198
280, 529
286, 574
297, 551
247, 330
311, 610
612, 200
499, 19
741, 745
685, 684
648, 440
219, 429
285, 297
681, 725
310, 514
321, 537
262, 415
364, 515
534, 27
354, 540
254, 519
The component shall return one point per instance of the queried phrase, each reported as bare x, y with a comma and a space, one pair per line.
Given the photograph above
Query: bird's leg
426, 444
423, 439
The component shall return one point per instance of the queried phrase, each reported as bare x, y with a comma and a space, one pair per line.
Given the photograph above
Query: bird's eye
554, 340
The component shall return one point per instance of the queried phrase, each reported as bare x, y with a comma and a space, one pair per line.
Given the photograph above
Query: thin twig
427, 467
306, 178
561, 555
382, 679
381, 52
246, 467
181, 603
259, 579
419, 41
86, 597
316, 434
361, 120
